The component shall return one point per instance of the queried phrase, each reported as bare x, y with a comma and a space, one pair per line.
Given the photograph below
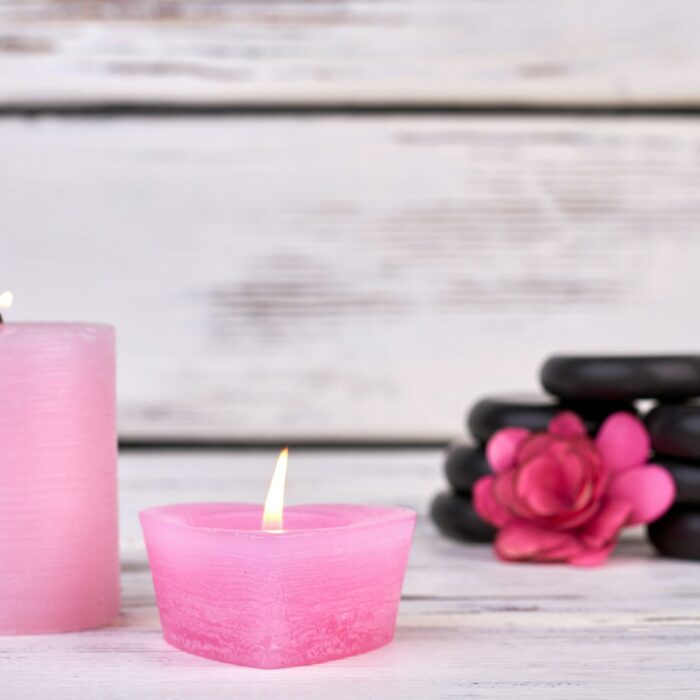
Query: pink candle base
326, 587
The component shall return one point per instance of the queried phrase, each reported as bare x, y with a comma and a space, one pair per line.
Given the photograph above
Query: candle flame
274, 503
6, 299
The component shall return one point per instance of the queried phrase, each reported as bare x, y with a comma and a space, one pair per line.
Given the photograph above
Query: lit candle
59, 563
322, 584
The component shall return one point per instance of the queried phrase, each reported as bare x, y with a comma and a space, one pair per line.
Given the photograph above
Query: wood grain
295, 278
469, 626
393, 52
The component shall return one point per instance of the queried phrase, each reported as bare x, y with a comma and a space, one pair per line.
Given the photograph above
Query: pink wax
59, 561
325, 587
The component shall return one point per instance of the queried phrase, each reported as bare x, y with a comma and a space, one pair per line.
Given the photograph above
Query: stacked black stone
453, 511
675, 438
674, 426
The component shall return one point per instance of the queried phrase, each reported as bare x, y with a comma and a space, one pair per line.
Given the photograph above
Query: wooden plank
436, 52
469, 626
338, 278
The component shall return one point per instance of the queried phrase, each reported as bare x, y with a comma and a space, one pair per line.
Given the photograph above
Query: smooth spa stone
326, 587
455, 516
59, 547
533, 411
675, 430
622, 378
465, 464
677, 534
686, 476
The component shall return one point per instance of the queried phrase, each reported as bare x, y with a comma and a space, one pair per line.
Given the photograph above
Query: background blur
345, 219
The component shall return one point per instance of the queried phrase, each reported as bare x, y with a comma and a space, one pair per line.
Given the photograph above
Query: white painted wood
292, 278
619, 52
469, 626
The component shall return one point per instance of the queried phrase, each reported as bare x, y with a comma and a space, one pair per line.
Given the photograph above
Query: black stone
675, 429
534, 411
465, 464
677, 534
619, 378
456, 517
686, 476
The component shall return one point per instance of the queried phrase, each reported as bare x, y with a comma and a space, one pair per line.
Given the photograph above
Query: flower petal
570, 548
623, 442
649, 490
533, 445
593, 557
543, 485
521, 541
504, 493
502, 447
604, 526
566, 425
486, 505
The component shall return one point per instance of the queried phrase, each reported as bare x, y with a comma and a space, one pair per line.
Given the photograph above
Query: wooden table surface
469, 626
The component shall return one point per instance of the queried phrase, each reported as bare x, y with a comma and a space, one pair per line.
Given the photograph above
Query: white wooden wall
453, 52
345, 220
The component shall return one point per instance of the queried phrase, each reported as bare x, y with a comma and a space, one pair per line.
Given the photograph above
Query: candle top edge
347, 517
43, 332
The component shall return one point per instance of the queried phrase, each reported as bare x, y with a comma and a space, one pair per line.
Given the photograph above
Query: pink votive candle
325, 587
59, 559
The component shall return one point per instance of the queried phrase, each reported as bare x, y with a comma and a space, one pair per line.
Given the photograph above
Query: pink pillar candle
326, 587
59, 562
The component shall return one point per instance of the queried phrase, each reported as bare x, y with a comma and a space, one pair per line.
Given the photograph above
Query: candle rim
375, 515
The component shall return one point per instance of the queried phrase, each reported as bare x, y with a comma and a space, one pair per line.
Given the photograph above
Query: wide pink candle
325, 587
59, 563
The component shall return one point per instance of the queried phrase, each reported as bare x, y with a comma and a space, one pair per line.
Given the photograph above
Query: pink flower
560, 497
